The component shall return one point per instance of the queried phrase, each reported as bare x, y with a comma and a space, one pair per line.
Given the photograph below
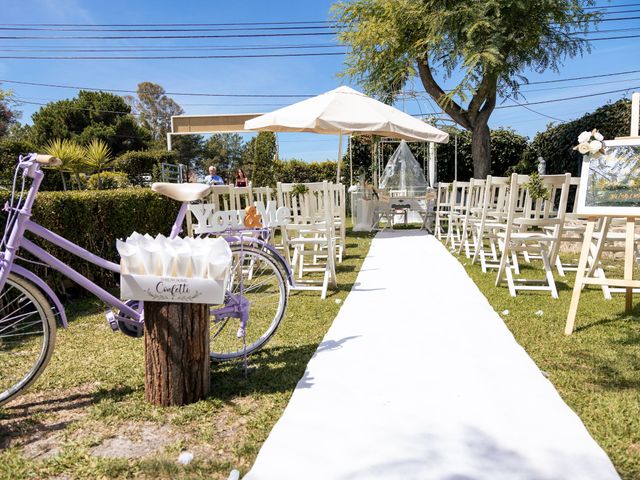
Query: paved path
418, 378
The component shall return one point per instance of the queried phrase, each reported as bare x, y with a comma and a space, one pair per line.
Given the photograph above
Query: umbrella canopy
345, 110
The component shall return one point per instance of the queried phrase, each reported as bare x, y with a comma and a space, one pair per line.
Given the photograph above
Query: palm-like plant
97, 158
72, 156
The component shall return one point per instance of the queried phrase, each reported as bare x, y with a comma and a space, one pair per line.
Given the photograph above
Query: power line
608, 38
193, 57
540, 82
166, 49
163, 24
270, 95
165, 37
609, 30
169, 57
178, 94
171, 48
566, 98
253, 35
235, 104
535, 111
607, 7
581, 85
190, 29
617, 19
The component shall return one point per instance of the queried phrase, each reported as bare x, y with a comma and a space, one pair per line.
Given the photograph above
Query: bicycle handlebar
48, 160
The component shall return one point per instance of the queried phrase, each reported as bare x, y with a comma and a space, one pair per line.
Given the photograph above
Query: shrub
557, 142
108, 181
507, 150
10, 150
298, 171
139, 165
94, 220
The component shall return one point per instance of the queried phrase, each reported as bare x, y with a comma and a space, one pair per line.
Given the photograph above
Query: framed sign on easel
609, 187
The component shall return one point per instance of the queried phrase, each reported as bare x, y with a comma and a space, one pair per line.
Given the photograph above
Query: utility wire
192, 57
517, 104
178, 94
190, 29
166, 49
270, 95
166, 37
155, 48
607, 7
535, 111
567, 98
169, 57
588, 77
253, 35
164, 24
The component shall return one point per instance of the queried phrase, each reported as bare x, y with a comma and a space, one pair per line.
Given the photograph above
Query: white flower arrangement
590, 143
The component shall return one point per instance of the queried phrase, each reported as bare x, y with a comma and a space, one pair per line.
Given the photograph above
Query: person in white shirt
213, 178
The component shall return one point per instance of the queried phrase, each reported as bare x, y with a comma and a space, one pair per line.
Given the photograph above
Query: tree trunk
481, 150
176, 350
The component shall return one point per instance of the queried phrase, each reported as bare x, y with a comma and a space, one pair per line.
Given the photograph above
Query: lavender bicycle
255, 298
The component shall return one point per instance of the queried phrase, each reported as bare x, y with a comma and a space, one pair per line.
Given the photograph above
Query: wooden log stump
176, 351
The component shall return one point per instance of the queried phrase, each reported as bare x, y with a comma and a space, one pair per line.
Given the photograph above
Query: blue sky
299, 75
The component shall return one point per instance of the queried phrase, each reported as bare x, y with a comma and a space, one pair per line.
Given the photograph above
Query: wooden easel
586, 278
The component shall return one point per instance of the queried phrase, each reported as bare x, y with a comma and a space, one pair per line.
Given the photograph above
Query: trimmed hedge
139, 164
556, 143
94, 220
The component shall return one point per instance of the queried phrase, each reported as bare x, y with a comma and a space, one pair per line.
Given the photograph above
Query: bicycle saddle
182, 192
48, 160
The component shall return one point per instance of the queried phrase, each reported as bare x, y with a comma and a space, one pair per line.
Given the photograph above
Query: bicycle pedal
111, 319
240, 333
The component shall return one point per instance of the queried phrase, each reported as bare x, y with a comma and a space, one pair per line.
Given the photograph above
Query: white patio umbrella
346, 111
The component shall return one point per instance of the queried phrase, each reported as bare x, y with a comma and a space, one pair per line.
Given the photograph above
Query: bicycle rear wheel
257, 277
27, 336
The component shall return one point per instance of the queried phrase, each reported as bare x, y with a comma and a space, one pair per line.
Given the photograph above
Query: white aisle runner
418, 378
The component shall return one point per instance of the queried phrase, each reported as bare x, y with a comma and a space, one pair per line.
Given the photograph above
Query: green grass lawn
89, 404
596, 370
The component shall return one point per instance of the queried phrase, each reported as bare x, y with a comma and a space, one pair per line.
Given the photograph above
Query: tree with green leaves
486, 44
8, 116
154, 108
225, 151
261, 155
189, 151
91, 115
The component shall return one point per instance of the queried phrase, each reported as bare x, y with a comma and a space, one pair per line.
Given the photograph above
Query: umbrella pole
350, 161
339, 159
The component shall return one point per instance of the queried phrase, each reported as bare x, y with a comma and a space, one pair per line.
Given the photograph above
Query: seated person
213, 178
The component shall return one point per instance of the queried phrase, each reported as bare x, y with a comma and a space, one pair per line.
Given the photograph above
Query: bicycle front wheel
257, 278
27, 336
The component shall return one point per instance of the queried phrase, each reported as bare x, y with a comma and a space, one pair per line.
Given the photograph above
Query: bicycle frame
23, 224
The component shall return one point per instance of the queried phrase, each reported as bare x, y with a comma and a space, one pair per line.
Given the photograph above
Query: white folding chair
311, 235
527, 231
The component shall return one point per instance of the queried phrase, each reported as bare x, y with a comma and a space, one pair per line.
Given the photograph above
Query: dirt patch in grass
136, 441
40, 426
35, 418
